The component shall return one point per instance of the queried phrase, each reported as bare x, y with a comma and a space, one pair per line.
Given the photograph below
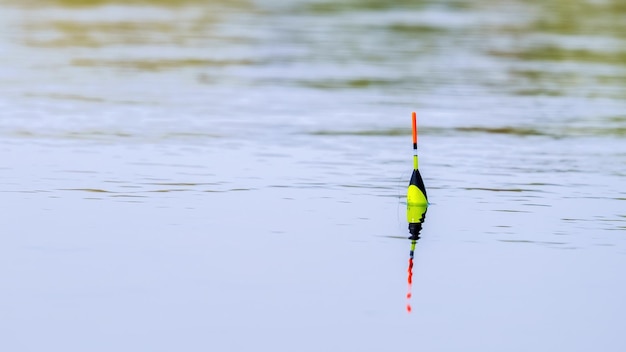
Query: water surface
230, 175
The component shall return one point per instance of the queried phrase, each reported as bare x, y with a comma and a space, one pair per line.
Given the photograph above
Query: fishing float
416, 206
416, 198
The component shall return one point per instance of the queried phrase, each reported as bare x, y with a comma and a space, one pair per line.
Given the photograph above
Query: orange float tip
414, 120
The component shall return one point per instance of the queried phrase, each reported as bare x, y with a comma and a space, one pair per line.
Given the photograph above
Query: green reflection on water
157, 65
558, 23
376, 132
557, 83
350, 5
98, 34
87, 3
348, 84
554, 53
573, 28
519, 131
582, 17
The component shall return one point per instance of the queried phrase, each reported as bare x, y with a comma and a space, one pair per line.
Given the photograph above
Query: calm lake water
229, 175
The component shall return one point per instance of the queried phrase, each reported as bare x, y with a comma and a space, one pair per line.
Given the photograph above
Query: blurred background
230, 174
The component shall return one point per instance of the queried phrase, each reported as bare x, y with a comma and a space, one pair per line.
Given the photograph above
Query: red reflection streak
410, 288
